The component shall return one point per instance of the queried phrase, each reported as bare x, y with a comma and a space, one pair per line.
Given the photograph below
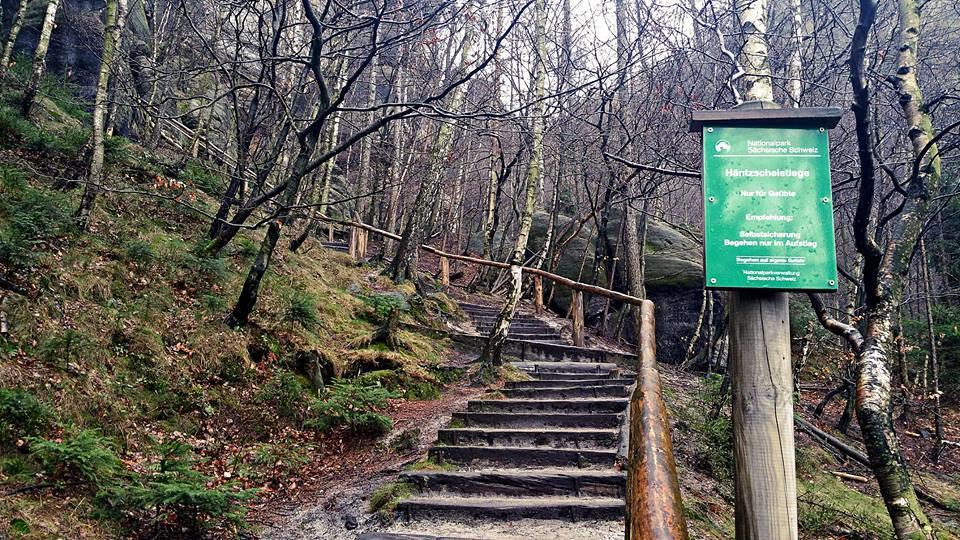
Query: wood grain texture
765, 469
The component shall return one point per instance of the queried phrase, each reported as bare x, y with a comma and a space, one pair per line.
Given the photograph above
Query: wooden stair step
531, 437
531, 420
576, 509
520, 483
525, 456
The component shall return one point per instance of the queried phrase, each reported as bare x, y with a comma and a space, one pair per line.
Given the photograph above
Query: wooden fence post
654, 507
444, 272
577, 312
352, 243
330, 232
538, 294
765, 470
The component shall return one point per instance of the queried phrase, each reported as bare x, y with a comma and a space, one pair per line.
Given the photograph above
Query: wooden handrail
569, 283
654, 506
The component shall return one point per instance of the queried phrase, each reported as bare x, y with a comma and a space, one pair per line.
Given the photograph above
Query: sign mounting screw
709, 130
712, 199
713, 280
822, 130
832, 282
825, 199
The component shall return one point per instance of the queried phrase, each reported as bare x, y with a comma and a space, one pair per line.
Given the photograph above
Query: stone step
543, 376
582, 406
598, 368
519, 324
537, 420
567, 508
520, 483
522, 330
569, 392
529, 336
511, 456
566, 383
536, 437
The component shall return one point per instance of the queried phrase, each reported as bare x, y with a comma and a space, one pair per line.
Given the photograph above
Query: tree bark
39, 58
404, 266
12, 38
95, 174
491, 355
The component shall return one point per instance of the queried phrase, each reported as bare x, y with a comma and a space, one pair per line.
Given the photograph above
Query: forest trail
542, 461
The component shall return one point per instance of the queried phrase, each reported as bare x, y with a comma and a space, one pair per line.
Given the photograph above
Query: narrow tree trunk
404, 266
12, 38
491, 355
39, 58
795, 65
95, 175
934, 358
756, 81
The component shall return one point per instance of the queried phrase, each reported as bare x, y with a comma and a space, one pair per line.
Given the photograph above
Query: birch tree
491, 355
95, 174
39, 58
12, 38
404, 266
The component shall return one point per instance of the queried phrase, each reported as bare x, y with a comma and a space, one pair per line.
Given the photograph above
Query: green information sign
768, 209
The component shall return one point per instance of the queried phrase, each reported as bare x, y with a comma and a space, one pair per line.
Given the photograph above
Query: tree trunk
39, 58
491, 355
795, 65
95, 175
757, 83
12, 38
934, 358
404, 266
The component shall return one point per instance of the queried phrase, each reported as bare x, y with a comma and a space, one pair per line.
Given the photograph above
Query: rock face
674, 278
76, 42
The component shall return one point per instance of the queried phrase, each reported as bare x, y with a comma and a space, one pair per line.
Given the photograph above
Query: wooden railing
357, 246
654, 505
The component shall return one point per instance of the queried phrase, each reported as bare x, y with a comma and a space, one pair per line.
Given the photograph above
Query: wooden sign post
768, 229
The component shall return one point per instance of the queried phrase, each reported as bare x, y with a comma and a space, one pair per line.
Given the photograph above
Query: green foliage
117, 150
62, 347
21, 415
206, 180
353, 404
383, 304
139, 252
386, 497
246, 248
712, 433
84, 455
29, 217
284, 391
173, 491
302, 309
400, 383
17, 131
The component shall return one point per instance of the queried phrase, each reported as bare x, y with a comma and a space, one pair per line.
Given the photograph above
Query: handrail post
444, 272
577, 314
654, 505
538, 293
352, 243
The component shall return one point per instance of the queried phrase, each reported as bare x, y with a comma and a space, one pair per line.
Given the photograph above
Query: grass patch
385, 498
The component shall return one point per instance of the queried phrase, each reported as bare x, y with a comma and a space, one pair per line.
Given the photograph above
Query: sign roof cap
767, 116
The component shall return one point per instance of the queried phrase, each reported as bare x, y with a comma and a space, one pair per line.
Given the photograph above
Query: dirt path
332, 503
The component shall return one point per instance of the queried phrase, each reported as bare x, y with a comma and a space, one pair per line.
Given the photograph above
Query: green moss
431, 464
385, 498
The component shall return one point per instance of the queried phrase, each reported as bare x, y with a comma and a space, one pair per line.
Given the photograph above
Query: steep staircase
547, 450
525, 327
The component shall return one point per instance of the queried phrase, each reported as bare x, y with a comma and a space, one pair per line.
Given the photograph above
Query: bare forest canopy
550, 134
